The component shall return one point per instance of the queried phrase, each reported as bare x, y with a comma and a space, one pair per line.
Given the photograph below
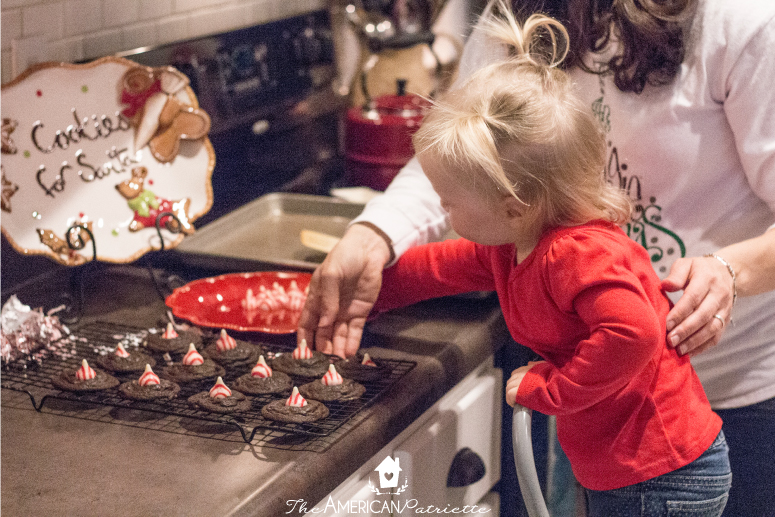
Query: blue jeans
750, 432
698, 489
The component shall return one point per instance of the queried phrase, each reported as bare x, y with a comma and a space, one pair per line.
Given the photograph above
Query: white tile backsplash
43, 19
120, 12
150, 9
12, 27
82, 16
75, 30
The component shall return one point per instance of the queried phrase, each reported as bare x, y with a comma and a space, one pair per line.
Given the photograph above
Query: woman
684, 91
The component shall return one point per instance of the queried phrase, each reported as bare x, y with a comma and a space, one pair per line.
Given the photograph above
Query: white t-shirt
698, 159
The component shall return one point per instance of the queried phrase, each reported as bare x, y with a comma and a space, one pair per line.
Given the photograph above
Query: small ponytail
516, 127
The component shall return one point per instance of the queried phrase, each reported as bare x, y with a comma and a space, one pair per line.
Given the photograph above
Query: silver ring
718, 317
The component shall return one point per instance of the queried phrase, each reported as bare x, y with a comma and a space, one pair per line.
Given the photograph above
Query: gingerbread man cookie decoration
147, 206
160, 118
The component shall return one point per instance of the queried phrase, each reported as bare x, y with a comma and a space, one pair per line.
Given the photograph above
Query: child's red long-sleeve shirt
588, 301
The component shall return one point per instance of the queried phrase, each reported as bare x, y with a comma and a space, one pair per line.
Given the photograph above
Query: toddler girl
518, 164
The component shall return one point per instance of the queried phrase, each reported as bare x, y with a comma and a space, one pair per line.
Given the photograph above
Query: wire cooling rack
33, 377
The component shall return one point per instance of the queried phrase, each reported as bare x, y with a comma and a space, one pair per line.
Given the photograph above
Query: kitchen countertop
58, 465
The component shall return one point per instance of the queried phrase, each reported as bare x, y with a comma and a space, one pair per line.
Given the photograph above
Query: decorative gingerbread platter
106, 150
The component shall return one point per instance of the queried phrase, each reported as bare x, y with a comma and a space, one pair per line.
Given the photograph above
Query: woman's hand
512, 385
342, 292
709, 290
698, 319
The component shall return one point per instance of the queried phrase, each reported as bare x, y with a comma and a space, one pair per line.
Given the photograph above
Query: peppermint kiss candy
225, 342
279, 293
220, 390
367, 361
296, 297
296, 400
192, 357
169, 333
261, 369
121, 351
301, 351
332, 377
85, 372
251, 301
148, 377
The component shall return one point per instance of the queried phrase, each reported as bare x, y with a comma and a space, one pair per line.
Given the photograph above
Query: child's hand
512, 385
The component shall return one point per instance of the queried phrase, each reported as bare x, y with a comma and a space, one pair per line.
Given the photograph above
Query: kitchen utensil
521, 438
378, 136
217, 302
319, 241
264, 234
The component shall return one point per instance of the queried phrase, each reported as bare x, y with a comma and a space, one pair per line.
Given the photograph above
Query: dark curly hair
651, 34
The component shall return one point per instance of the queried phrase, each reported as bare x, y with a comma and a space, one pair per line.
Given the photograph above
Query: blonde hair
519, 122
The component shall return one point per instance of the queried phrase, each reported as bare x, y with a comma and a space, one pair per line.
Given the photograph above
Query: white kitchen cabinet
468, 416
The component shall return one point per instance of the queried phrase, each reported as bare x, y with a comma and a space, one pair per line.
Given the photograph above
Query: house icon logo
388, 477
388, 472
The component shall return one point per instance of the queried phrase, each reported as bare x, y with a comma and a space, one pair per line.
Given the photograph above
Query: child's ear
512, 206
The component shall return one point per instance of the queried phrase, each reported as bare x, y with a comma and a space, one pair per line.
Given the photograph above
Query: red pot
378, 138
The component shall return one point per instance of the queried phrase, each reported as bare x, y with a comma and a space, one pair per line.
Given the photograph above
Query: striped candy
367, 361
148, 377
121, 351
296, 400
261, 369
225, 342
192, 357
220, 390
296, 297
302, 351
332, 377
85, 372
169, 333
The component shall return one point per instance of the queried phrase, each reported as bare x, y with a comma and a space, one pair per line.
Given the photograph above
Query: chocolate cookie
244, 353
277, 383
348, 390
68, 381
314, 367
277, 410
353, 369
164, 390
175, 345
134, 363
235, 402
188, 373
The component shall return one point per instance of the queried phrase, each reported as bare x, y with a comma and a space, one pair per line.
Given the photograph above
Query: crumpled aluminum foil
24, 330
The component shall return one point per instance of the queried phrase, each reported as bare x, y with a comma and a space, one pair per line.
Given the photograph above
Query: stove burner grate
176, 416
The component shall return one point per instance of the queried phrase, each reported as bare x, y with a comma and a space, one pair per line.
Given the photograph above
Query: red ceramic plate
217, 302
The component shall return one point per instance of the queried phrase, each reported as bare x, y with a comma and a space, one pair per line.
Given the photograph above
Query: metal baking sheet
264, 234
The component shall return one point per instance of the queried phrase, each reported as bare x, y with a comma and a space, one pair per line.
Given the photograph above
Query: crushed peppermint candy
276, 298
192, 357
220, 390
302, 351
296, 400
225, 342
332, 377
148, 377
261, 369
85, 372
